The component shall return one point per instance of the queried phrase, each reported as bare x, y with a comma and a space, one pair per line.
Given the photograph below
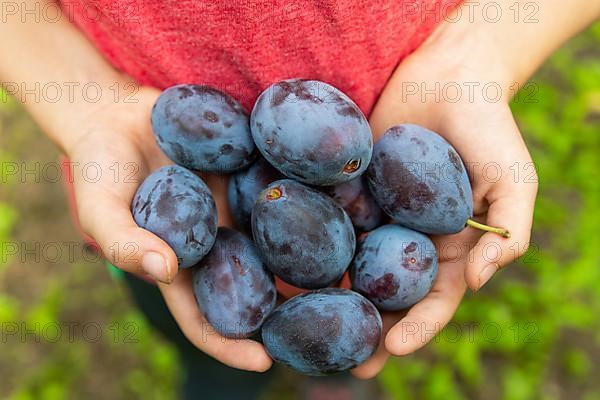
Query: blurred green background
531, 334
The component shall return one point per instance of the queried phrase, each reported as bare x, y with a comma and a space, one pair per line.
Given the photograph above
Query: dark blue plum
323, 332
304, 237
356, 199
244, 187
232, 287
394, 267
420, 181
177, 206
202, 128
311, 132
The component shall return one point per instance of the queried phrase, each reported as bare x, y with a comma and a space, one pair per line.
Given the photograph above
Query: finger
103, 199
243, 354
511, 199
375, 364
426, 318
107, 218
218, 188
457, 246
513, 211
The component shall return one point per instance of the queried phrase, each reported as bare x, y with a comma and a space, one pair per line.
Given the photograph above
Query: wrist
470, 55
450, 71
506, 41
123, 107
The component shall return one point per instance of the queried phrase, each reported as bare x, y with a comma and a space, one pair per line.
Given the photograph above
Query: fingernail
156, 266
486, 274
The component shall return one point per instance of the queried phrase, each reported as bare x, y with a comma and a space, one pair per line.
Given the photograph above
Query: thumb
107, 218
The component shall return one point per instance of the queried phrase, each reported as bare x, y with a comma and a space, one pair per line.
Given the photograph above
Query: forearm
474, 61
508, 48
54, 71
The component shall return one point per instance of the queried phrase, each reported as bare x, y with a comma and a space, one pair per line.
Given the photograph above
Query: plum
232, 287
394, 267
244, 187
420, 181
311, 132
323, 332
202, 128
356, 199
304, 237
177, 206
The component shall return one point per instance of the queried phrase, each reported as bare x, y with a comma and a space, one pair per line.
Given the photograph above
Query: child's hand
117, 141
504, 186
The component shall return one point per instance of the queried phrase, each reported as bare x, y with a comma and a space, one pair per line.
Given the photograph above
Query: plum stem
500, 231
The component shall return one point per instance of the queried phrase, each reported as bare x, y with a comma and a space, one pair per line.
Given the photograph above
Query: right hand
118, 138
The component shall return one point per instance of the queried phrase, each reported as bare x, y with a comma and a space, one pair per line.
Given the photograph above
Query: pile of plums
299, 198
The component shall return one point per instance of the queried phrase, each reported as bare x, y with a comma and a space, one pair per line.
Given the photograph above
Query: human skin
482, 130
116, 129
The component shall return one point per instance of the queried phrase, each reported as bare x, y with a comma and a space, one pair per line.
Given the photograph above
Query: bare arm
53, 53
474, 44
